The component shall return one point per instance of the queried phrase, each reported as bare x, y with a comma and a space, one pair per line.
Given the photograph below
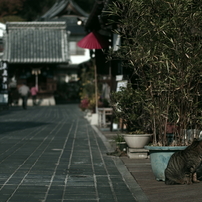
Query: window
1, 45
74, 49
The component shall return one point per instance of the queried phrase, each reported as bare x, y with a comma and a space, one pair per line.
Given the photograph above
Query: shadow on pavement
10, 110
17, 125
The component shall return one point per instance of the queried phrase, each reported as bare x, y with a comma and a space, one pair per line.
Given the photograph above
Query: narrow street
51, 153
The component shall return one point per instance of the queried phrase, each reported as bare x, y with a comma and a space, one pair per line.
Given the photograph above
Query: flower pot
137, 141
170, 138
122, 146
159, 157
115, 126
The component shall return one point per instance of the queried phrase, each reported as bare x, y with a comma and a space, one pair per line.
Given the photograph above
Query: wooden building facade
33, 51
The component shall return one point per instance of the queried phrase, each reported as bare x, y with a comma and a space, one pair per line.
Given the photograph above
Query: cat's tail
169, 182
175, 181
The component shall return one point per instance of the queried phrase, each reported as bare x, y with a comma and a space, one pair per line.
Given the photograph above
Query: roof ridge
60, 6
49, 24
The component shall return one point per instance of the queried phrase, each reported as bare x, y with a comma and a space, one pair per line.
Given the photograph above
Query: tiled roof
68, 11
93, 21
72, 26
98, 18
36, 42
64, 6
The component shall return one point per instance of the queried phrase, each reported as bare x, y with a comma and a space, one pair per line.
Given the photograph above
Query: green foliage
119, 138
9, 8
27, 10
162, 43
127, 104
11, 18
88, 84
87, 88
32, 9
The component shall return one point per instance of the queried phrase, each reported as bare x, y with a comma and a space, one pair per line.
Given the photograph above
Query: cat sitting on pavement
183, 165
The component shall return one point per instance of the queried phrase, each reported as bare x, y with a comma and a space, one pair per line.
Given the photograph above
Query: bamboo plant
162, 43
128, 107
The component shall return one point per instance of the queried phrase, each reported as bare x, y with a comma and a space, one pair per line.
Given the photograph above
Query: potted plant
161, 43
128, 107
120, 142
115, 123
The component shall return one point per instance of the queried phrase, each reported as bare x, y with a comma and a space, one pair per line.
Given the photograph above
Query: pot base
137, 153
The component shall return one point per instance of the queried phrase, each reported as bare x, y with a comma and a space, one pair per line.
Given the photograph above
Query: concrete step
137, 153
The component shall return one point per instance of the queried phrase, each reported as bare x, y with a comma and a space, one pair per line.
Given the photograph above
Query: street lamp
36, 72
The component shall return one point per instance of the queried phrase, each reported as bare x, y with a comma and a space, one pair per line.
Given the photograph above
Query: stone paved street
52, 153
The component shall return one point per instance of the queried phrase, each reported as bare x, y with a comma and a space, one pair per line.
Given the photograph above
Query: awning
93, 41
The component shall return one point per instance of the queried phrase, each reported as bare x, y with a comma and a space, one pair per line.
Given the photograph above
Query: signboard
121, 84
3, 98
119, 77
116, 42
3, 83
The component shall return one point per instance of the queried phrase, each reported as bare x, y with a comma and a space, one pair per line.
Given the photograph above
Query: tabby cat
183, 164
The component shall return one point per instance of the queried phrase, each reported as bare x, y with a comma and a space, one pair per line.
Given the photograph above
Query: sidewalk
51, 154
157, 191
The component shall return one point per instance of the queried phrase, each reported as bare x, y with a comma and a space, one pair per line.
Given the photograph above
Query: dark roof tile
36, 42
64, 6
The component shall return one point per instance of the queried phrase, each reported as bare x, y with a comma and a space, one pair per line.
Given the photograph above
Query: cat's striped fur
183, 164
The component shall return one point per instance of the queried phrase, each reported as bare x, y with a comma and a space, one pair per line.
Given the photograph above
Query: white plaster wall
2, 29
77, 59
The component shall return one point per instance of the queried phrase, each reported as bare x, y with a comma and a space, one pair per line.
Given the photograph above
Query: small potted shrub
128, 107
120, 142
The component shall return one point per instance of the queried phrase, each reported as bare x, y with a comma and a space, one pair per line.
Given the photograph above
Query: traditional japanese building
2, 30
67, 78
99, 21
45, 53
3, 72
33, 51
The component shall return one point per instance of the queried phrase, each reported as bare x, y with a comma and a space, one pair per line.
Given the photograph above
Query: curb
135, 189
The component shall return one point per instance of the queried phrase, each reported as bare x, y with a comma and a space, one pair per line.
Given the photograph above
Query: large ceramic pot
137, 141
159, 157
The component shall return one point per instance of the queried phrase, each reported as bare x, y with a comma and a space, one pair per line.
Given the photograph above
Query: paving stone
53, 154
